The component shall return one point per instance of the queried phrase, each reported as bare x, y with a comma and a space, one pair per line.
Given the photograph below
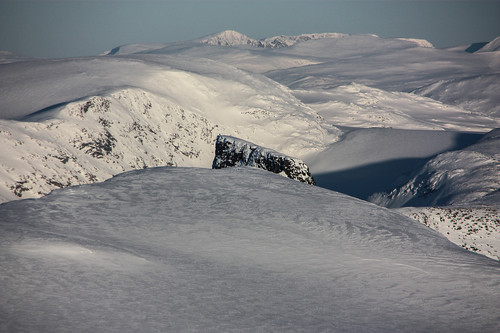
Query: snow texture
74, 121
230, 152
236, 249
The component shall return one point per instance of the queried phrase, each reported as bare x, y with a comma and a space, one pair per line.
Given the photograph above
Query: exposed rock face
230, 151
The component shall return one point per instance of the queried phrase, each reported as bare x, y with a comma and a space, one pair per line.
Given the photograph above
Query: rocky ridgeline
230, 152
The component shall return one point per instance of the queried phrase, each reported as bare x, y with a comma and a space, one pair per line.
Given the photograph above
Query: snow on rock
287, 41
230, 151
234, 38
474, 228
93, 139
228, 38
466, 176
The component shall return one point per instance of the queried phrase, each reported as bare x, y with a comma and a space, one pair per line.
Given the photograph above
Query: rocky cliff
230, 151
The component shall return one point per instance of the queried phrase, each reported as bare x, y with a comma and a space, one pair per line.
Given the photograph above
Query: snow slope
367, 161
467, 176
322, 62
492, 46
85, 120
185, 249
142, 105
357, 105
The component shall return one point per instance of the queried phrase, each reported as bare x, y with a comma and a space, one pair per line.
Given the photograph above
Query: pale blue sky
62, 28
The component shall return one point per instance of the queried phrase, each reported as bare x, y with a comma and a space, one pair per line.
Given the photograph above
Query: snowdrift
237, 249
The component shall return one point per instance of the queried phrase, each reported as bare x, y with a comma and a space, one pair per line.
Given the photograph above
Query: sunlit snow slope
186, 249
76, 121
332, 62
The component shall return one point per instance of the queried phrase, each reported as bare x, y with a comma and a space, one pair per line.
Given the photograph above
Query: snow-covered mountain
467, 176
241, 249
85, 120
228, 38
234, 38
237, 249
322, 62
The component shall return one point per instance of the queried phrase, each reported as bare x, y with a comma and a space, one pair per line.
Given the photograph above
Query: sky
68, 28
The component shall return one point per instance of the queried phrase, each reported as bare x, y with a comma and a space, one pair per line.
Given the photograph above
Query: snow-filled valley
178, 247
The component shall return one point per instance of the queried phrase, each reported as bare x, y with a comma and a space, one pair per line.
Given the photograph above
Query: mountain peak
228, 38
233, 38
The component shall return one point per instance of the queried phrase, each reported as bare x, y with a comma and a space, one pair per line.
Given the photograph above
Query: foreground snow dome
238, 249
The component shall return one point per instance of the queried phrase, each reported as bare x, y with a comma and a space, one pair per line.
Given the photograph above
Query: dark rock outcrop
230, 152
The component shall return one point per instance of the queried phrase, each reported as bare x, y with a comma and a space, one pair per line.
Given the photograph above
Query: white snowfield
111, 114
187, 249
395, 121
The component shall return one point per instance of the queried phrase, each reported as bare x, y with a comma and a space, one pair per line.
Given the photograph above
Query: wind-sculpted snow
230, 152
184, 249
467, 176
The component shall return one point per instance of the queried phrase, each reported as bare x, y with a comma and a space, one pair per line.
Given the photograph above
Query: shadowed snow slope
238, 249
366, 161
492, 46
467, 176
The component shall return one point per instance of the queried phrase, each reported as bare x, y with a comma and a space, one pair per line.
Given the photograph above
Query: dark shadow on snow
475, 47
363, 181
